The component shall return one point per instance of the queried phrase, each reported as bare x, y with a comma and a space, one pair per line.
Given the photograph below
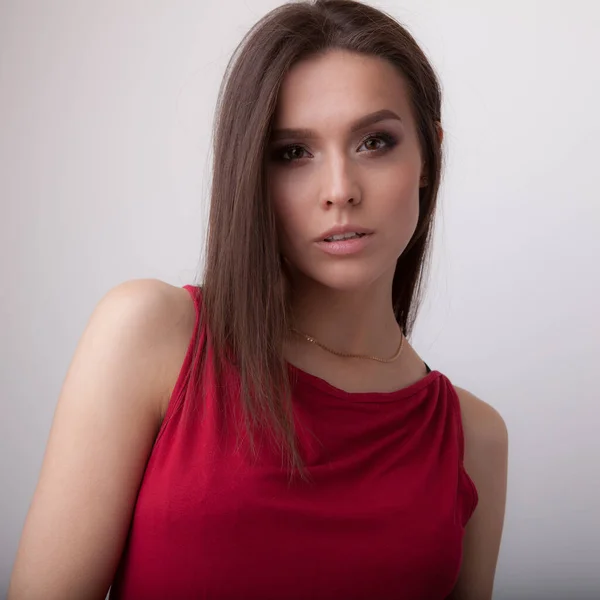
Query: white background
105, 120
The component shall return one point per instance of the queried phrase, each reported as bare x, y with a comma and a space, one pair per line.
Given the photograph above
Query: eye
289, 153
386, 141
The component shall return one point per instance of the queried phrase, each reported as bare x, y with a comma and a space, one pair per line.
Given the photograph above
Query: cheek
399, 201
286, 212
291, 203
288, 221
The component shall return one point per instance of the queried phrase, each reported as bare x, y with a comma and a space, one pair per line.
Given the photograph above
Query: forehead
339, 86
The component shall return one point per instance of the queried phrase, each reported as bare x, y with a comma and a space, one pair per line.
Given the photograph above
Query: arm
104, 426
486, 460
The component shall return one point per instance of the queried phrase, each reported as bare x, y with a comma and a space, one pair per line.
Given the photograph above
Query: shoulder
485, 452
486, 462
151, 320
148, 305
484, 428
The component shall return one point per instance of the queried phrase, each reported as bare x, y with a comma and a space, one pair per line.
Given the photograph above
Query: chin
348, 277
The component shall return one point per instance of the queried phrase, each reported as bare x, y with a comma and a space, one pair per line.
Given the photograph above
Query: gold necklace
312, 340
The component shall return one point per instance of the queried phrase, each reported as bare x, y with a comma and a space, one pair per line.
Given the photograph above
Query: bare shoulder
159, 318
483, 425
149, 305
486, 462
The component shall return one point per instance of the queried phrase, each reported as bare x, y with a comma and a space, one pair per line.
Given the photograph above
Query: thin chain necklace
312, 340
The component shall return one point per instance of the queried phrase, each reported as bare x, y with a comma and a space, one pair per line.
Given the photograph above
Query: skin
130, 354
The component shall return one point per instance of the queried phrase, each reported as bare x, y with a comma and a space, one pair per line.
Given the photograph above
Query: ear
440, 131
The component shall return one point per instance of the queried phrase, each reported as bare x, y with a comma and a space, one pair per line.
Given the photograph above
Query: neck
356, 322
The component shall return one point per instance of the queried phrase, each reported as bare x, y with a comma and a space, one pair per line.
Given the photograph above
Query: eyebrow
366, 121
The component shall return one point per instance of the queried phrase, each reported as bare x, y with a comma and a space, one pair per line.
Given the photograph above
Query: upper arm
106, 419
486, 462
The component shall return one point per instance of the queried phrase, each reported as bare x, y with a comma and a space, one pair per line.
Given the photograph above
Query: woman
272, 433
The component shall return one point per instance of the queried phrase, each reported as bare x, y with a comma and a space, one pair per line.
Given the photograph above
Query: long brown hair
245, 295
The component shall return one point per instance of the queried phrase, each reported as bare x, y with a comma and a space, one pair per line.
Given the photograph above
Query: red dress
383, 516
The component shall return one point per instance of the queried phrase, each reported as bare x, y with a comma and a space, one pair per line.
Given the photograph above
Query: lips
346, 247
345, 236
343, 229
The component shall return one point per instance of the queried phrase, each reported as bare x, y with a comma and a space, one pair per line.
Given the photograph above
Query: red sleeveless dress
383, 516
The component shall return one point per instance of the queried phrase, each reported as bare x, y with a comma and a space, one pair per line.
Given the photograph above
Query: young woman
272, 433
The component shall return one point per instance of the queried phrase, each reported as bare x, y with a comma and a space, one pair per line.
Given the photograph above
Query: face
344, 152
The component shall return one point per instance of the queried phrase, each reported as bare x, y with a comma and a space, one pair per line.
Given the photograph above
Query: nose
340, 184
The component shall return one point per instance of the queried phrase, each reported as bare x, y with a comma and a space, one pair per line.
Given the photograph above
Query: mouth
351, 235
344, 244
